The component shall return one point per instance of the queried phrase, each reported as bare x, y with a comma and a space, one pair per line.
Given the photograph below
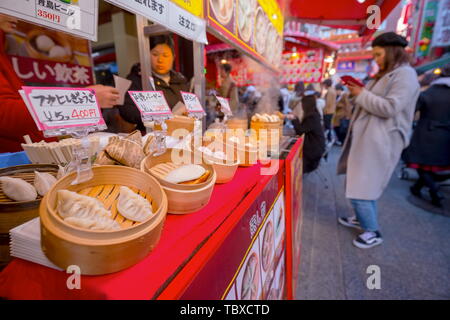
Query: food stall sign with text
72, 16
63, 108
193, 6
168, 14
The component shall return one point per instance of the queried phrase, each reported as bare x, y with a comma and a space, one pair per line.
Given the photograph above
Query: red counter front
234, 248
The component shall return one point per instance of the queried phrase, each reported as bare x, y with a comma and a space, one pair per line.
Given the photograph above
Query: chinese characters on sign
192, 103
55, 108
43, 71
225, 105
74, 17
150, 102
169, 15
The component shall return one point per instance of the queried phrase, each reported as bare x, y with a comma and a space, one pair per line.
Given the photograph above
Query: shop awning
299, 36
347, 14
438, 63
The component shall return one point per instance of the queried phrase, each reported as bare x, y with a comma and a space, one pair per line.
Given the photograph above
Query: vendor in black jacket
165, 79
310, 125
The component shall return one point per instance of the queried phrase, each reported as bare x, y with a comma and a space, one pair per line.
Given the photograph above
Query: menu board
40, 55
78, 17
254, 25
307, 66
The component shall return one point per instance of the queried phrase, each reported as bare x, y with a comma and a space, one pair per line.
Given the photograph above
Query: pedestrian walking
429, 151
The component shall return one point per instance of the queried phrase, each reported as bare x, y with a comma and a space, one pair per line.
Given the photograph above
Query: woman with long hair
308, 122
379, 130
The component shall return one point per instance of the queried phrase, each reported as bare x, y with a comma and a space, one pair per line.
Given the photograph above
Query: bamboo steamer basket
182, 199
225, 168
258, 126
247, 155
14, 213
178, 122
102, 252
236, 123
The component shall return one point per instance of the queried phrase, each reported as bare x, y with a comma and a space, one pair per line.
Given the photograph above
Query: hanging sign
72, 16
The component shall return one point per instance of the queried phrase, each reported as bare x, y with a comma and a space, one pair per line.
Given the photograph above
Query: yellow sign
193, 6
274, 14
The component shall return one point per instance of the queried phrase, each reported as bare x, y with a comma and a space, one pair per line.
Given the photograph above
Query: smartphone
350, 79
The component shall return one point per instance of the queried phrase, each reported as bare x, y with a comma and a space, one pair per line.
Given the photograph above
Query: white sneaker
368, 240
350, 222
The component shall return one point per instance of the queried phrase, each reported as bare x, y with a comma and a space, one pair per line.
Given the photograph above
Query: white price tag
151, 103
193, 105
57, 108
225, 105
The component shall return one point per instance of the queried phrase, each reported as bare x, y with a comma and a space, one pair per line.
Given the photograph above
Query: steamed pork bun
44, 43
57, 52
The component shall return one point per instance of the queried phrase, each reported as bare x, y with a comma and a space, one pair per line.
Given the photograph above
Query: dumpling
18, 189
85, 212
61, 172
44, 43
57, 52
185, 173
43, 181
133, 206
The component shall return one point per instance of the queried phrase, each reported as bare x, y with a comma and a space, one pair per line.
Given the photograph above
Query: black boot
415, 188
436, 198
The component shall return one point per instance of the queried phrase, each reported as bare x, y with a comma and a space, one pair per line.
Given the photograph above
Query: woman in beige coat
379, 130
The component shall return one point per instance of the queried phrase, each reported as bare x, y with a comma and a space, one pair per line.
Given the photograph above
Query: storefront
229, 236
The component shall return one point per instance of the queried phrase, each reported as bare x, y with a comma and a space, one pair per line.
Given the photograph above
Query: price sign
151, 103
57, 108
225, 105
192, 103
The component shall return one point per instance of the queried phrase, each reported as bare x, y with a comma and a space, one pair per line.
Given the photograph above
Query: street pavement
413, 260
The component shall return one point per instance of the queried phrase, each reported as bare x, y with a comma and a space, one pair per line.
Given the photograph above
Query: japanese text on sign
150, 102
56, 108
192, 103
225, 105
75, 17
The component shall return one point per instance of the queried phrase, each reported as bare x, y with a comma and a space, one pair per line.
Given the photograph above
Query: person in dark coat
310, 125
165, 79
429, 150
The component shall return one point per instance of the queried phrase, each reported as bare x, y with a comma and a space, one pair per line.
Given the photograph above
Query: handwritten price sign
151, 103
192, 103
225, 106
57, 108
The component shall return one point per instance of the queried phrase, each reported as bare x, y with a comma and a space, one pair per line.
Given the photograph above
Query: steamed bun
57, 52
44, 43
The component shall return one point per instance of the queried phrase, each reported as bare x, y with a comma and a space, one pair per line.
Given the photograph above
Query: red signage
294, 169
251, 259
41, 71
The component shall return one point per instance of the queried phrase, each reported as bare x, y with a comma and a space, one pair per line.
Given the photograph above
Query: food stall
243, 228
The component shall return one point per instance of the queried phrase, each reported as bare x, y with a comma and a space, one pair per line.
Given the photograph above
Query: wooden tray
101, 252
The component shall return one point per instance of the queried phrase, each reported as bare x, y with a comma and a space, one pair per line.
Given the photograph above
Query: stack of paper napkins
25, 243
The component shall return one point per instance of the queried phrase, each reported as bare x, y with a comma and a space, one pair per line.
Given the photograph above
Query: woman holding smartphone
379, 130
